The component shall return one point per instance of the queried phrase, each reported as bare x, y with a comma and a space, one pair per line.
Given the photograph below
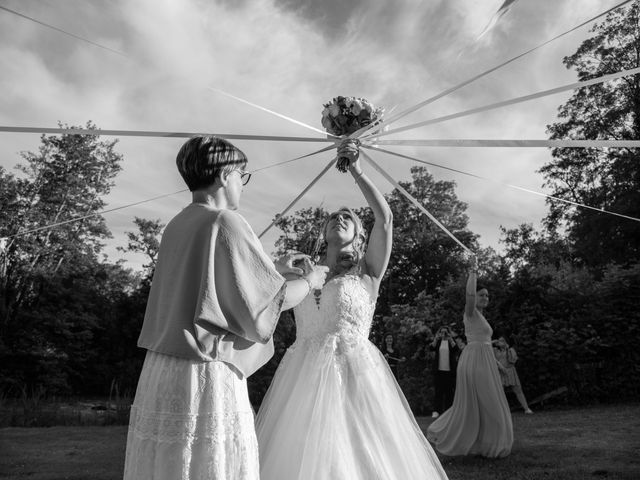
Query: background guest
392, 354
507, 357
445, 361
479, 421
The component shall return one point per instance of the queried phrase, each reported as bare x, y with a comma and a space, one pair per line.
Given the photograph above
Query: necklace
336, 271
317, 294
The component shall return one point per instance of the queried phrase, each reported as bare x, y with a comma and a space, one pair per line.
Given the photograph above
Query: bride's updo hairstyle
360, 237
202, 159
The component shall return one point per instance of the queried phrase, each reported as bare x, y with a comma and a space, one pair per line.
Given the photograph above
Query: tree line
568, 294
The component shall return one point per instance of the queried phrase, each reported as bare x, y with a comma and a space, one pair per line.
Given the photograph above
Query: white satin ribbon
264, 109
414, 201
513, 101
493, 69
76, 219
550, 197
306, 189
145, 133
77, 37
465, 142
330, 147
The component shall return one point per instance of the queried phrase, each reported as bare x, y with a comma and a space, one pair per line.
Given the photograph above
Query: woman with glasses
213, 306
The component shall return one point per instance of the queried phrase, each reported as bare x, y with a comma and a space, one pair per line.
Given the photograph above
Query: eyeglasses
244, 176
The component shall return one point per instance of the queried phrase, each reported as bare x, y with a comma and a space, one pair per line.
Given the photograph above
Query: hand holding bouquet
346, 115
348, 153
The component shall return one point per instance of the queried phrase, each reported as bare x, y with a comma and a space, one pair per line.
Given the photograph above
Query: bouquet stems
343, 164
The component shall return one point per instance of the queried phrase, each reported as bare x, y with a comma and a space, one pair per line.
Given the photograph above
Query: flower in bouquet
343, 116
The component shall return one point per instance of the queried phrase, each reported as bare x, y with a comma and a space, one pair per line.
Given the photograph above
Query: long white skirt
335, 412
190, 420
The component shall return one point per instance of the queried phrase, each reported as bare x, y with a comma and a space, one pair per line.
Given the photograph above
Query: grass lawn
600, 442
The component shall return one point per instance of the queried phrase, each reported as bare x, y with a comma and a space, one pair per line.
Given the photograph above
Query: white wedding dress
334, 410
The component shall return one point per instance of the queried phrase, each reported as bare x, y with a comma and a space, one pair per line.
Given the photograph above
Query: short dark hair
202, 159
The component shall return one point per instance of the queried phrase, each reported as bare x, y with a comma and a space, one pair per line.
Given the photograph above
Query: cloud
289, 56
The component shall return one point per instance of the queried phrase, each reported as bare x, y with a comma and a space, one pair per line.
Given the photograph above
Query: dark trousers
445, 386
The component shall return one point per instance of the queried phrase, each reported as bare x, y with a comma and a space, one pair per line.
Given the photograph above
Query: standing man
444, 369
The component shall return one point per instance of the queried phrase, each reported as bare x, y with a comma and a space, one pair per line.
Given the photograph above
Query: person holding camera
391, 354
444, 369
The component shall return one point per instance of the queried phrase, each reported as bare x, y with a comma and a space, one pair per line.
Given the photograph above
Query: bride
334, 410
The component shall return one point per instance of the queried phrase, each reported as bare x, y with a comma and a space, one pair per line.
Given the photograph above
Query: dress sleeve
245, 284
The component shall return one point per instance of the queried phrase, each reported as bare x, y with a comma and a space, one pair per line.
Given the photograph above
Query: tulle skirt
479, 421
335, 412
190, 420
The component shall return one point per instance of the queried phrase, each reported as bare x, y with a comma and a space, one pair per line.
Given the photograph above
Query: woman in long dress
391, 354
334, 410
214, 302
479, 421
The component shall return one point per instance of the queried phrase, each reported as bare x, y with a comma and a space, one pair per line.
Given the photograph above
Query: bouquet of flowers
345, 115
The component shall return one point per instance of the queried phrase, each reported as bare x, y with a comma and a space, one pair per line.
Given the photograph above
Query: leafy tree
423, 256
119, 359
526, 247
301, 231
146, 241
65, 179
602, 178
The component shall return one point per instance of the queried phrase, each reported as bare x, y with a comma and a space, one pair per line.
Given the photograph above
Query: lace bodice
345, 309
476, 328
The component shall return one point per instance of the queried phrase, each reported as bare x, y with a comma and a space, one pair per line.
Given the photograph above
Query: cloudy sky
290, 56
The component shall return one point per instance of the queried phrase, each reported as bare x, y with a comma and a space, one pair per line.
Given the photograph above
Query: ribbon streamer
525, 98
550, 197
63, 31
264, 109
126, 56
497, 67
391, 120
414, 201
307, 188
330, 147
464, 142
470, 143
144, 133
76, 219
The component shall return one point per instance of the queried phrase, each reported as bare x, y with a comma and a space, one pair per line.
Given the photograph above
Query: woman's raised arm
472, 280
381, 237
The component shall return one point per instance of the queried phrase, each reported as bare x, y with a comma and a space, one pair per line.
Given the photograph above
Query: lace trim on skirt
190, 420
